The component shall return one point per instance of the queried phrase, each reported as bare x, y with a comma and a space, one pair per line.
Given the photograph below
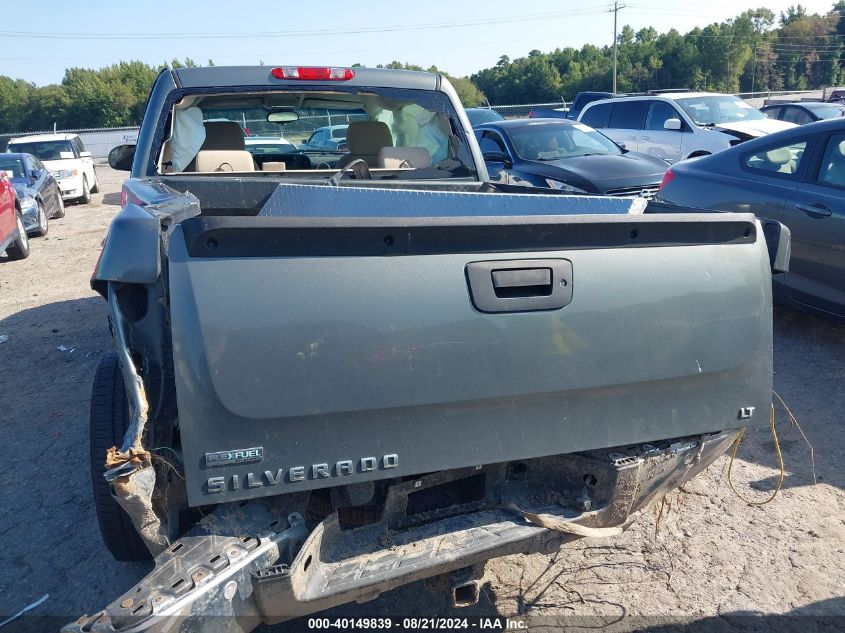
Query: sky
458, 37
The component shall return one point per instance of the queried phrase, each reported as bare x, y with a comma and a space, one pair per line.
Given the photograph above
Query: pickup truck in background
338, 373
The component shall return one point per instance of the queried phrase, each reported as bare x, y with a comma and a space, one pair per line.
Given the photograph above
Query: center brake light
313, 73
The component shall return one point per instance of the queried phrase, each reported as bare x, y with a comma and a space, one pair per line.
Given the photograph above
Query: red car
12, 234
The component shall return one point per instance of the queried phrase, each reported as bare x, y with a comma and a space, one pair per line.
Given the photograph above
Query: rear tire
109, 421
19, 249
96, 187
43, 222
85, 198
61, 212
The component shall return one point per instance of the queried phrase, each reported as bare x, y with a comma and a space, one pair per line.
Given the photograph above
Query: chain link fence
520, 111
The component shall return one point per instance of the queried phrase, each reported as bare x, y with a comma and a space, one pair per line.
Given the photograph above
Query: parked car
37, 191
477, 116
548, 113
796, 177
258, 145
567, 155
679, 125
582, 99
13, 238
65, 156
331, 138
803, 112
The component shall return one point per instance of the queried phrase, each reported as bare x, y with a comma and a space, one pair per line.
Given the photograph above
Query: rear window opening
316, 132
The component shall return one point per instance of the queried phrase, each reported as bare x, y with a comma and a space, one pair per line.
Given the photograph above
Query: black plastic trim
224, 237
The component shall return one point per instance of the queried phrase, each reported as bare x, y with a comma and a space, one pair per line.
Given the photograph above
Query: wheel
43, 223
61, 212
85, 198
19, 249
109, 421
96, 187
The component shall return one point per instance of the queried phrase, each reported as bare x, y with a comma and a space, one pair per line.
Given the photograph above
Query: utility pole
616, 8
754, 69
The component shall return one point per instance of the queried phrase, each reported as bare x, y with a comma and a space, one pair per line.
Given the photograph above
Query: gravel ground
710, 558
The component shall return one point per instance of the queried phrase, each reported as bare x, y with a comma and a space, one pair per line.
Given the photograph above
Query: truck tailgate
355, 349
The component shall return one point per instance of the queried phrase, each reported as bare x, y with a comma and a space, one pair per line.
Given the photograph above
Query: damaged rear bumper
255, 563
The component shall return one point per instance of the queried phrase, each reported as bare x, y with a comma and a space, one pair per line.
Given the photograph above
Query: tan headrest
397, 157
841, 148
223, 135
367, 137
223, 160
779, 156
273, 166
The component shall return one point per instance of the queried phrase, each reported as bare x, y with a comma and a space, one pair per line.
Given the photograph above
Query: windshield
827, 111
13, 166
376, 123
44, 150
550, 141
714, 109
477, 116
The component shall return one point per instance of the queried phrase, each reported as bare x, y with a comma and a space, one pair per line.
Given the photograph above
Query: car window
792, 114
496, 138
832, 168
628, 115
659, 113
13, 166
773, 113
339, 133
597, 116
715, 109
550, 142
45, 150
780, 159
79, 146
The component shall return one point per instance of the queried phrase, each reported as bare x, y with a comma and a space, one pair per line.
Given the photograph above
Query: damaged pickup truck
340, 372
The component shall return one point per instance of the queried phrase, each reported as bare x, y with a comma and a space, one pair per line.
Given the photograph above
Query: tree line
753, 51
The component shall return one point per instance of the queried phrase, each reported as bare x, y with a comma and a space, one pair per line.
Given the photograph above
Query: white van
678, 125
66, 158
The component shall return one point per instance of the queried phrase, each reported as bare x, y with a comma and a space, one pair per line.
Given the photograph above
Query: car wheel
19, 249
109, 421
43, 223
85, 198
61, 212
96, 187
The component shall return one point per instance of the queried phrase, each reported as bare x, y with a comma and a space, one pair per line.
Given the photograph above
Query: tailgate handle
520, 285
522, 282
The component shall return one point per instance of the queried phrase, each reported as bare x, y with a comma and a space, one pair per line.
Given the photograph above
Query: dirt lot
713, 558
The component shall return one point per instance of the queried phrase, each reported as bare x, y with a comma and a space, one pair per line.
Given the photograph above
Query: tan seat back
210, 160
365, 139
398, 157
273, 166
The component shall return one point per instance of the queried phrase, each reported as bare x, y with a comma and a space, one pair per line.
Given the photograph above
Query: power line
309, 32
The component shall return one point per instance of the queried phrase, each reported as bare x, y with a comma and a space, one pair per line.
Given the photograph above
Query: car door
491, 141
655, 139
816, 216
47, 186
87, 161
626, 122
7, 209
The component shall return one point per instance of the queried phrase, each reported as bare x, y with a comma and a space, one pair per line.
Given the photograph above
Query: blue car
567, 155
796, 177
37, 190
